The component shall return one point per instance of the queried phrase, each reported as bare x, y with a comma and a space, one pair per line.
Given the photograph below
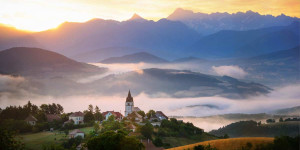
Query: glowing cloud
232, 71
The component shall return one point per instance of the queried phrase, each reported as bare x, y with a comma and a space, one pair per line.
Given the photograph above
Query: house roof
52, 117
160, 113
116, 114
135, 115
77, 114
76, 131
136, 109
31, 118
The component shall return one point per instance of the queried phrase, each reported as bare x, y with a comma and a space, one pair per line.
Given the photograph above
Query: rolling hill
35, 62
180, 83
229, 144
135, 58
293, 111
251, 129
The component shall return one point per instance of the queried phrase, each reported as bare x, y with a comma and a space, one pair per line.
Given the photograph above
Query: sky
38, 15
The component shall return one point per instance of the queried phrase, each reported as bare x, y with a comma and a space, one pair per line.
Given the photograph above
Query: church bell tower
129, 104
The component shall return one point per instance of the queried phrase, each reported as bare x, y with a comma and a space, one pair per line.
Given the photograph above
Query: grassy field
229, 144
35, 141
177, 141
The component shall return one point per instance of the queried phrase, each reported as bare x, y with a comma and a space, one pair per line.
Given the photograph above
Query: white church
129, 105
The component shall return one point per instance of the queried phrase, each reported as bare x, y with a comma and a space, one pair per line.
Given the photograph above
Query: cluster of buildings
131, 113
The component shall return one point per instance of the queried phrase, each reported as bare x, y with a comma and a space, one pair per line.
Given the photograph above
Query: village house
161, 116
52, 117
132, 127
135, 116
31, 120
77, 117
158, 116
107, 114
75, 133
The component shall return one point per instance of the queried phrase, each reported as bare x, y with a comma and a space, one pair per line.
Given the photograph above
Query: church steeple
129, 104
129, 94
129, 97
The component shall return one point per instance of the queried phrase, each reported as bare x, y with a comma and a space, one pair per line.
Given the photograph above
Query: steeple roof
129, 97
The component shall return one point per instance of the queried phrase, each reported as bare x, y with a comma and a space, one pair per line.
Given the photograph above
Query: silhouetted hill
35, 61
293, 111
251, 129
188, 60
135, 58
226, 44
181, 83
103, 53
240, 21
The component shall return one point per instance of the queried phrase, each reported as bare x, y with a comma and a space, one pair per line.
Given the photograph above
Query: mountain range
211, 23
49, 73
159, 37
232, 36
234, 44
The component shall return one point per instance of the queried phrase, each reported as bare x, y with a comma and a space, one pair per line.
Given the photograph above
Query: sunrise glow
38, 15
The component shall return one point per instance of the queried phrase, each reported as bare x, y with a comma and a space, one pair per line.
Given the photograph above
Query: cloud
13, 92
232, 71
12, 88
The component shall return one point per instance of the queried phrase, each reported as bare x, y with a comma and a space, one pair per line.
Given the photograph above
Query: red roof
116, 114
77, 114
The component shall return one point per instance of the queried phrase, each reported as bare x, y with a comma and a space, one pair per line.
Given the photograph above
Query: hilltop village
132, 113
135, 130
82, 130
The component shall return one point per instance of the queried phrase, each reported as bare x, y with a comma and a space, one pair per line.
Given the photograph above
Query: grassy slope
35, 141
179, 141
229, 144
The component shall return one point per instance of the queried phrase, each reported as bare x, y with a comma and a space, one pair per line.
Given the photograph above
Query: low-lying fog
280, 97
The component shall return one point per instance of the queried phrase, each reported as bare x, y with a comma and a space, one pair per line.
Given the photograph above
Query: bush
158, 142
8, 141
72, 142
16, 125
280, 143
207, 147
114, 141
147, 130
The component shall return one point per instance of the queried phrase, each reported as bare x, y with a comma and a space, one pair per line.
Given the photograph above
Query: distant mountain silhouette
293, 111
272, 69
103, 53
234, 35
159, 37
136, 17
34, 62
229, 43
12, 37
189, 59
181, 83
240, 21
135, 58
